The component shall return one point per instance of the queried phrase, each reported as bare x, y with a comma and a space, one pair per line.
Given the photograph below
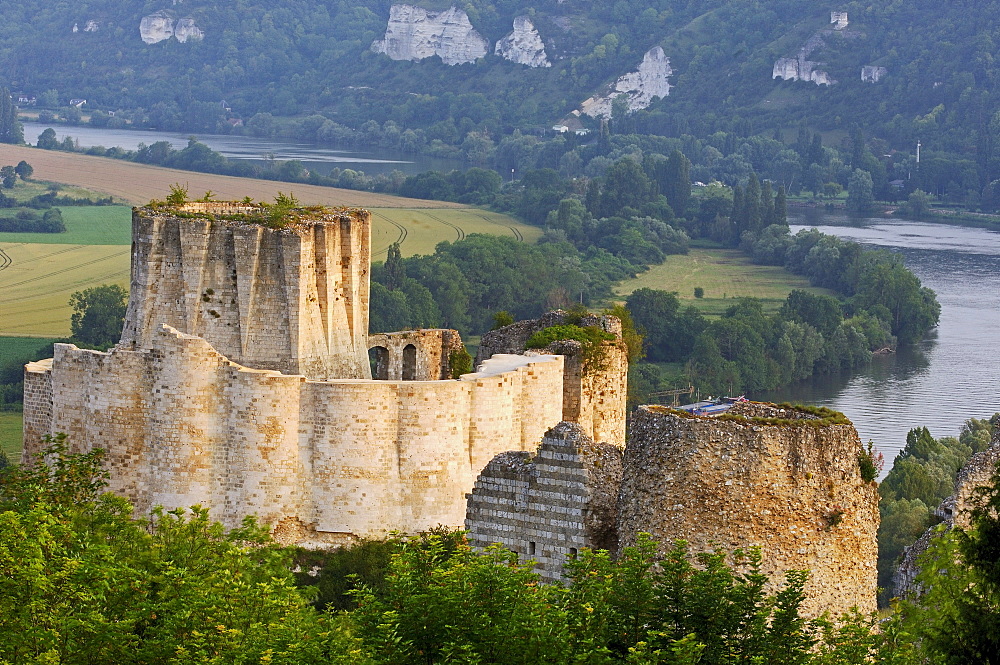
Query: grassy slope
11, 437
724, 274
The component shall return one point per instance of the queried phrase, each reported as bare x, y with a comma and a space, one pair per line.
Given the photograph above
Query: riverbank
980, 220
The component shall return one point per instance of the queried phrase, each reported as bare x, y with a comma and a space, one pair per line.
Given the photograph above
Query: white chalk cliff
160, 26
413, 33
186, 29
524, 45
650, 80
156, 27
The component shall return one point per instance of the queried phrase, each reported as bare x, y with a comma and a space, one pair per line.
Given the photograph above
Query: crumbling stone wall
594, 394
954, 511
293, 299
778, 478
431, 354
321, 461
548, 505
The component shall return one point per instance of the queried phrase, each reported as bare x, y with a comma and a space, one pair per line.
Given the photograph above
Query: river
945, 379
320, 158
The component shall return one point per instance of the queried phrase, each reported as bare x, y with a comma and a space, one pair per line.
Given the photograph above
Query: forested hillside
306, 57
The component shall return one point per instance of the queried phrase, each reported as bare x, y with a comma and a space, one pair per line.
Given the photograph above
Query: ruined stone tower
785, 479
292, 299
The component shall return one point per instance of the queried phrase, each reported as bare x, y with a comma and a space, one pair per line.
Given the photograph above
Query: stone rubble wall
292, 299
320, 461
432, 348
596, 396
549, 505
37, 400
793, 489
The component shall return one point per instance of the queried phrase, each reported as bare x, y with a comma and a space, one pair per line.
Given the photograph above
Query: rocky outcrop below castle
784, 479
524, 45
649, 81
954, 511
161, 26
413, 33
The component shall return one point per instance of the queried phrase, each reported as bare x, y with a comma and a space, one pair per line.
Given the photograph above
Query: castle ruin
784, 479
242, 383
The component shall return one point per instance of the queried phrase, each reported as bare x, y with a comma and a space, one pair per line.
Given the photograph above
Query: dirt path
139, 183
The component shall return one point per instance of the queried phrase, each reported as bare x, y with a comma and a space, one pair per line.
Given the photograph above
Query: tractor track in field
459, 232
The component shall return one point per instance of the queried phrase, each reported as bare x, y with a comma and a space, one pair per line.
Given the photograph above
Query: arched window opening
378, 358
409, 363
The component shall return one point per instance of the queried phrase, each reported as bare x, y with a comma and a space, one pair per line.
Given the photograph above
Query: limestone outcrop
413, 33
187, 29
550, 504
161, 26
872, 73
780, 478
156, 27
800, 68
524, 45
649, 81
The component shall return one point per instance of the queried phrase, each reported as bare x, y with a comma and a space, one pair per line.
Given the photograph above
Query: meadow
724, 274
11, 438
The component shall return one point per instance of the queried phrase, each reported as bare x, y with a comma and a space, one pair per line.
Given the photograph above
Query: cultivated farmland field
35, 287
140, 183
724, 274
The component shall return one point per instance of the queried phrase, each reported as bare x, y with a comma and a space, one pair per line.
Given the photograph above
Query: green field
418, 231
20, 349
10, 434
724, 274
85, 225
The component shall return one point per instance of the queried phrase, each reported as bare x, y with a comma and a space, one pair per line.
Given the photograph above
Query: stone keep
241, 383
293, 300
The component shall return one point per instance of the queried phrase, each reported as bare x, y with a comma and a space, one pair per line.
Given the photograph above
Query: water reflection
950, 376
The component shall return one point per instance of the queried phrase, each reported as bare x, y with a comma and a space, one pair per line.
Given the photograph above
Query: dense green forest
305, 69
85, 582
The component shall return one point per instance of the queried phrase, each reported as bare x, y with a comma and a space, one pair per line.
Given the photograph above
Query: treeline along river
945, 379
